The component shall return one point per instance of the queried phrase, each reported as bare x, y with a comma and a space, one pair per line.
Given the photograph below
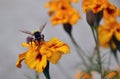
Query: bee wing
27, 32
42, 27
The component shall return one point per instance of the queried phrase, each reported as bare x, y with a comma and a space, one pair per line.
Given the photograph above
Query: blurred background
29, 15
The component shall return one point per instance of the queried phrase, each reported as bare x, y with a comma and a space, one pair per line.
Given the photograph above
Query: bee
36, 36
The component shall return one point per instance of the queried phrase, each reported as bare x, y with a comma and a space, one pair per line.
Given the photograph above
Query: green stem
36, 75
68, 29
99, 61
96, 39
98, 54
77, 45
94, 36
78, 52
109, 62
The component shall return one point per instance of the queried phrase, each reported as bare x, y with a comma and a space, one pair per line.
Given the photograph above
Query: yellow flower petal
45, 51
54, 49
63, 49
25, 44
55, 56
35, 60
58, 45
20, 59
105, 35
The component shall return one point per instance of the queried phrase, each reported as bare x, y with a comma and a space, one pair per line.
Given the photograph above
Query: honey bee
35, 36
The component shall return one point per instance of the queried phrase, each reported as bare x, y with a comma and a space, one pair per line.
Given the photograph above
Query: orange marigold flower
39, 53
94, 5
61, 11
110, 13
83, 75
112, 74
106, 33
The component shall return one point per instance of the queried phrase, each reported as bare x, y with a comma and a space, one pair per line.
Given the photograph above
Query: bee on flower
39, 52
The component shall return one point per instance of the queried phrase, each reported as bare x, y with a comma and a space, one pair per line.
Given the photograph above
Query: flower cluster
110, 29
106, 34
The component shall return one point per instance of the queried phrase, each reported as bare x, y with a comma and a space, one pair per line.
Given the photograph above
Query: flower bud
68, 28
90, 17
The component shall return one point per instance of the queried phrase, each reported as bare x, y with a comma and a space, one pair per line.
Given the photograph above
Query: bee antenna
42, 27
27, 32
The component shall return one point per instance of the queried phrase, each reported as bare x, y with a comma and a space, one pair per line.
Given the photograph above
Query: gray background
29, 15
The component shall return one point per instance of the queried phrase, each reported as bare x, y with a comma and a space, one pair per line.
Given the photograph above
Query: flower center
118, 30
97, 7
39, 57
63, 8
110, 11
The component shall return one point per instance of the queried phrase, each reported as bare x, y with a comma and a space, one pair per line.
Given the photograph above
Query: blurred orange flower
82, 75
39, 52
61, 11
112, 75
94, 5
110, 13
107, 31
